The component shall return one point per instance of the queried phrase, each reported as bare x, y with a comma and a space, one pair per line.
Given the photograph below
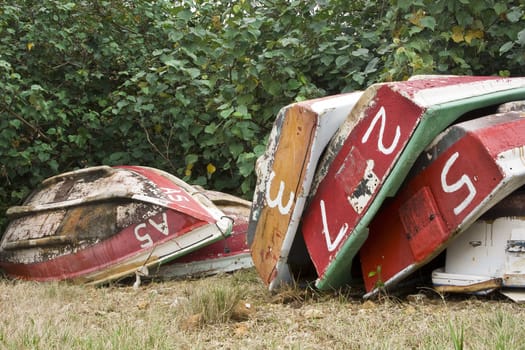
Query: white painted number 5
464, 180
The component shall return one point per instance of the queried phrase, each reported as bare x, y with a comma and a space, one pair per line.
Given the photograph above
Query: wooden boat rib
466, 170
284, 176
373, 152
99, 224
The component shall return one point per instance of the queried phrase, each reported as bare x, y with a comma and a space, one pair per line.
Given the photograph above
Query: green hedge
192, 87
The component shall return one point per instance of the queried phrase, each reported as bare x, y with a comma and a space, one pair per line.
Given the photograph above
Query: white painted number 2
278, 201
342, 231
463, 181
381, 114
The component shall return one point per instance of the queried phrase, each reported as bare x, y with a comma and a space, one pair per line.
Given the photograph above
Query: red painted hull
375, 147
100, 224
465, 171
227, 255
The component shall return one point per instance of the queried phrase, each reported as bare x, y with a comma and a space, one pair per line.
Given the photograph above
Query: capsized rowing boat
99, 224
284, 176
490, 254
466, 170
374, 149
227, 255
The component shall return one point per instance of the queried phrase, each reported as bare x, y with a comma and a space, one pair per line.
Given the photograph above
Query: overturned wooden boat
226, 255
373, 151
466, 170
490, 254
99, 224
284, 176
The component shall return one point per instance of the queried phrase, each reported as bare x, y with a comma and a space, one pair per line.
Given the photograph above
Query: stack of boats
371, 186
358, 188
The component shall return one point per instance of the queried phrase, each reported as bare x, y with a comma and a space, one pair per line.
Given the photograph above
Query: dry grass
236, 312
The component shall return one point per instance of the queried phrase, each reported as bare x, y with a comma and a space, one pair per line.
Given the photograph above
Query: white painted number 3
463, 181
278, 201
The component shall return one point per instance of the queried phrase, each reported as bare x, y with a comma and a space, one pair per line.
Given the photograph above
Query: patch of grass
158, 315
503, 330
210, 304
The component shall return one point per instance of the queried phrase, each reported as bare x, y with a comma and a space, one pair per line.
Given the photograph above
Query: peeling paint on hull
284, 177
389, 127
467, 169
98, 224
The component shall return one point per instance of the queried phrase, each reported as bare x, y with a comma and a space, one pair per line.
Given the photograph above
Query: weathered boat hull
492, 248
467, 169
284, 176
374, 150
227, 255
99, 224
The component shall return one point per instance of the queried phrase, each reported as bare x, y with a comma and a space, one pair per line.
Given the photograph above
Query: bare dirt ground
237, 312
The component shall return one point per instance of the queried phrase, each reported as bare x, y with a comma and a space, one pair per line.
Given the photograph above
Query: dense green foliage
192, 87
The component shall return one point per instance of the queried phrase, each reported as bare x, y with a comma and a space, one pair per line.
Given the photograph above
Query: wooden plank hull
227, 255
99, 224
464, 172
374, 150
284, 176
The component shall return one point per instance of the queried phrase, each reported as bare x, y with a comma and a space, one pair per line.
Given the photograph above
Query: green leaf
506, 47
174, 63
210, 128
372, 65
15, 123
273, 87
175, 36
236, 149
193, 72
246, 163
514, 15
360, 52
428, 22
464, 18
414, 30
404, 4
290, 41
191, 158
358, 77
521, 37
500, 8
226, 112
327, 60
259, 150
341, 61
53, 164
184, 15
293, 84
